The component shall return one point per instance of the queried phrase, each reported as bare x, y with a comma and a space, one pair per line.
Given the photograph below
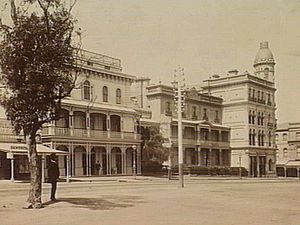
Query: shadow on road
103, 203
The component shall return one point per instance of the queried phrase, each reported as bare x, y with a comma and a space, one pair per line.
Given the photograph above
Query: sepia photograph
149, 112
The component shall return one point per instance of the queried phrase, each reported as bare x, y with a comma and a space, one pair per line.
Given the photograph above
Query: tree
152, 145
37, 59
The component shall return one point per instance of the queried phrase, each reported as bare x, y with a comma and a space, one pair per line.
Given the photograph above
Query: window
266, 73
270, 139
262, 119
258, 118
194, 112
118, 96
205, 114
249, 93
284, 136
250, 137
217, 120
105, 94
168, 109
86, 90
258, 95
253, 137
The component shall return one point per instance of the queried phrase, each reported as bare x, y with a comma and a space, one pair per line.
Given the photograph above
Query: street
157, 201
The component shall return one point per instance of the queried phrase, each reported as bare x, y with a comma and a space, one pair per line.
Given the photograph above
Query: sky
206, 37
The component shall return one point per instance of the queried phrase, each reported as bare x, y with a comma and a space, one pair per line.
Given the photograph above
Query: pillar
88, 123
43, 168
87, 160
123, 159
68, 169
221, 157
12, 168
199, 155
257, 166
108, 125
108, 159
139, 160
284, 168
209, 157
71, 122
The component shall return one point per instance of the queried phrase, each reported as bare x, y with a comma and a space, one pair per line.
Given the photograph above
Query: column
88, 123
43, 168
257, 166
68, 169
209, 161
123, 159
87, 160
139, 160
250, 174
108, 159
108, 125
12, 167
284, 168
199, 155
221, 157
71, 122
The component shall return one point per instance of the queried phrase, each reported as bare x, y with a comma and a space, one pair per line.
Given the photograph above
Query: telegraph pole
179, 99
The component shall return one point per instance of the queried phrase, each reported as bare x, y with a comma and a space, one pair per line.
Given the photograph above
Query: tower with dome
249, 110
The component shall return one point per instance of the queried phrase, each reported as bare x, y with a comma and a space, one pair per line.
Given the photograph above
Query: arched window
250, 137
253, 137
118, 96
262, 119
266, 73
250, 117
258, 118
105, 94
86, 90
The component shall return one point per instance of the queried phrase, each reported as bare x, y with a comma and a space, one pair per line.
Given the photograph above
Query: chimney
232, 72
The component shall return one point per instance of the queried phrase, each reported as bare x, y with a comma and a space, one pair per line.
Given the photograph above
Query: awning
21, 149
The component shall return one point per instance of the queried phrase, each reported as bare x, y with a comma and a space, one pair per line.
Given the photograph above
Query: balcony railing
85, 133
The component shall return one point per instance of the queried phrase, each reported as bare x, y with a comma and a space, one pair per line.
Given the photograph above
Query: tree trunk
35, 166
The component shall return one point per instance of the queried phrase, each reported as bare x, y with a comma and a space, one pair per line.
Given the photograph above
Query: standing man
98, 167
53, 174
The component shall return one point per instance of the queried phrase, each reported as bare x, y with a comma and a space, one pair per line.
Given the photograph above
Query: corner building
249, 110
97, 123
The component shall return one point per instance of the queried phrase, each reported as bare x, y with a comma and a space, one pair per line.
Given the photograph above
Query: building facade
288, 152
97, 123
249, 110
205, 139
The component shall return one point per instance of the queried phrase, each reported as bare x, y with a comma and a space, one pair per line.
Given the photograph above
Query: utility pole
179, 99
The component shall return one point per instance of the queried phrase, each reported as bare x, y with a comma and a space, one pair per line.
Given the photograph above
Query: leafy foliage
36, 58
152, 145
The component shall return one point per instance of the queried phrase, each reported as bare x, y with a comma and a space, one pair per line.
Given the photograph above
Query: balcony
85, 133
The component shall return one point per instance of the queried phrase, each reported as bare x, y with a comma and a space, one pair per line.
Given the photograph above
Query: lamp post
134, 160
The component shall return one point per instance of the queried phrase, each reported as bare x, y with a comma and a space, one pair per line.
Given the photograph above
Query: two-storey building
288, 152
97, 122
205, 139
